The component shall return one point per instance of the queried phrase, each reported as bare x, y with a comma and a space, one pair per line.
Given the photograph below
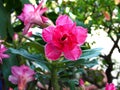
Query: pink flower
3, 49
21, 76
32, 15
64, 38
110, 86
81, 82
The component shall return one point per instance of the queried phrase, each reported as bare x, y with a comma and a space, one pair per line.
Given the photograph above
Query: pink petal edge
52, 52
73, 54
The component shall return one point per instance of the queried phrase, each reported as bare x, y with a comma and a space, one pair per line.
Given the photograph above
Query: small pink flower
64, 38
81, 82
21, 75
32, 15
3, 49
110, 86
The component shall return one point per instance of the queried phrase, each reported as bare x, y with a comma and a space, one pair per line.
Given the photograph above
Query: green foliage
32, 57
90, 53
5, 23
6, 67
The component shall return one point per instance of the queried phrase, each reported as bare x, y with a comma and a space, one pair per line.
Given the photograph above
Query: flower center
64, 37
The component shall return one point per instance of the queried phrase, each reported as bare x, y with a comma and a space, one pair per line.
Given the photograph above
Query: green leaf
79, 23
25, 54
3, 21
90, 64
32, 57
38, 47
25, 1
72, 84
90, 53
82, 62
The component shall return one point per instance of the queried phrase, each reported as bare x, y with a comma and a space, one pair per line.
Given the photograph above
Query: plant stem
54, 78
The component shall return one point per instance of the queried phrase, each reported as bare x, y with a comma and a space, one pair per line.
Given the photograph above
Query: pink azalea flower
110, 86
64, 39
21, 75
3, 49
32, 15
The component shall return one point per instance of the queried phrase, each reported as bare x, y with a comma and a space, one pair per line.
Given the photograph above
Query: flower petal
15, 70
21, 17
47, 33
73, 54
39, 6
42, 11
5, 56
26, 28
13, 79
28, 73
81, 34
63, 19
28, 8
52, 52
2, 49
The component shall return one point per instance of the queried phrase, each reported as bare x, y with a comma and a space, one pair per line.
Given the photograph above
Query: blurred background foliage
100, 17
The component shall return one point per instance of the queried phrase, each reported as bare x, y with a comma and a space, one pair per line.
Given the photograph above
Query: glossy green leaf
90, 53
32, 57
90, 64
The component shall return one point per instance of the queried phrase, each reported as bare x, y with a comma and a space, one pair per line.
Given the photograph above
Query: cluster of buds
109, 86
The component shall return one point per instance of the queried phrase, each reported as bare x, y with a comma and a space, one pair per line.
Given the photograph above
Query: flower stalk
54, 78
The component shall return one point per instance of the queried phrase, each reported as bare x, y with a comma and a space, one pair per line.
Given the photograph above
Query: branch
117, 46
114, 46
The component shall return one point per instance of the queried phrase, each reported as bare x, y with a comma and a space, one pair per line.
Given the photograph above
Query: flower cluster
109, 86
62, 39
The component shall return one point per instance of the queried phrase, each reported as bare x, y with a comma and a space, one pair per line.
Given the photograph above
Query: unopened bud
15, 37
29, 34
